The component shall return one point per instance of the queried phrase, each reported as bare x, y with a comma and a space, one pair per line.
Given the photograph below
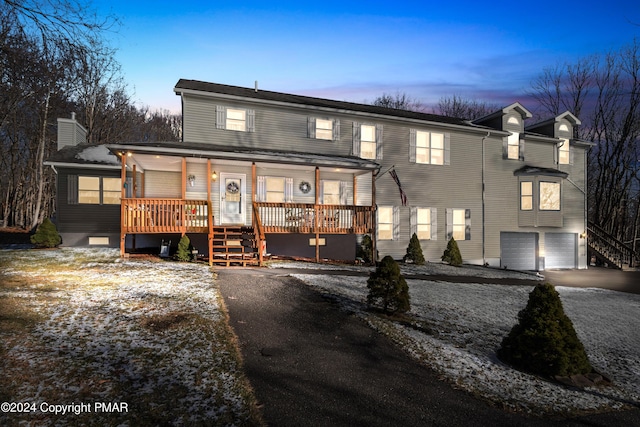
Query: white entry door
232, 198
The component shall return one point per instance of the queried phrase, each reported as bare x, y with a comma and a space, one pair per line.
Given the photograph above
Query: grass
79, 326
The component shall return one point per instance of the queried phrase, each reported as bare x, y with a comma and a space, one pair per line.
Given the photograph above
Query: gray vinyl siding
85, 218
163, 184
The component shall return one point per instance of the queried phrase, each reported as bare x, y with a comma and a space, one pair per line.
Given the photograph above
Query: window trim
528, 197
221, 118
559, 186
356, 149
413, 147
450, 224
73, 190
433, 222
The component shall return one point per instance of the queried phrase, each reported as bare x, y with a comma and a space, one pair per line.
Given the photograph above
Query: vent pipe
256, 86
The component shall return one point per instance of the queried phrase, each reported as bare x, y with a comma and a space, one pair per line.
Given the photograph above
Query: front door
232, 198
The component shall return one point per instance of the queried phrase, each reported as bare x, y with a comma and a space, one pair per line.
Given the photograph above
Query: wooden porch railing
610, 248
144, 215
310, 218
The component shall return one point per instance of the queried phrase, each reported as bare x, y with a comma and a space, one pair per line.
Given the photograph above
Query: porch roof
220, 152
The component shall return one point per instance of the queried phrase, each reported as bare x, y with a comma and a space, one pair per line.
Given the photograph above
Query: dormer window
513, 120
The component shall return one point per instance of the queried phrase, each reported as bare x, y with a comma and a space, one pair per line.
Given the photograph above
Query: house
262, 172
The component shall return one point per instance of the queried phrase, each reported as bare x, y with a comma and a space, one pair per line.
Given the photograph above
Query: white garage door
560, 250
519, 251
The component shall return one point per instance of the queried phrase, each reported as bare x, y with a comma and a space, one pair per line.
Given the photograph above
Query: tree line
53, 61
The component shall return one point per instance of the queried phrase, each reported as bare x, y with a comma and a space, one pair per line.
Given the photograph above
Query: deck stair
609, 250
234, 245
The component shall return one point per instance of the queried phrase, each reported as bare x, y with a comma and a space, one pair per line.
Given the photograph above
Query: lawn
80, 326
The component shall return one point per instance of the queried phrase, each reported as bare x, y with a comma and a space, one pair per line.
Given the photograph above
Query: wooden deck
144, 215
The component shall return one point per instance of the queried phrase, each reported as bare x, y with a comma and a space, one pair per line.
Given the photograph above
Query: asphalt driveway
313, 364
596, 277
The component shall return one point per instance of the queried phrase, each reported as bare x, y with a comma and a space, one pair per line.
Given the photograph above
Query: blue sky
355, 51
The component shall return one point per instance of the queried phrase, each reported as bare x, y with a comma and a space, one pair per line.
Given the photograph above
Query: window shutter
447, 148
311, 127
288, 190
251, 120
505, 148
356, 139
221, 117
343, 192
412, 146
449, 223
72, 189
379, 142
571, 154
414, 220
521, 150
396, 222
336, 129
467, 224
261, 189
434, 224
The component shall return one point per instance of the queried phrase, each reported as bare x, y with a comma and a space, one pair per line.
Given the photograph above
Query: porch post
123, 195
183, 222
317, 214
374, 222
209, 213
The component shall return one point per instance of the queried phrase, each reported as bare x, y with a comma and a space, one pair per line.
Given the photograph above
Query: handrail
614, 250
157, 215
258, 233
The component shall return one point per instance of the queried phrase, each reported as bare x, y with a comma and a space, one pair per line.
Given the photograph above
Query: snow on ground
463, 324
136, 331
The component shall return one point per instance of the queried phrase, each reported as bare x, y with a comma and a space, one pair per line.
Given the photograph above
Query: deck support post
316, 215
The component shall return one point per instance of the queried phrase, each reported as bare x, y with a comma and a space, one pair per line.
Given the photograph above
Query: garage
561, 250
519, 251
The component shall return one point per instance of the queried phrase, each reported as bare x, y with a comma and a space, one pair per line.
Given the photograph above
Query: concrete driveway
596, 277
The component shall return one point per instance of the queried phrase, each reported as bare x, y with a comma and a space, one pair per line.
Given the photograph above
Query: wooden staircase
234, 245
610, 250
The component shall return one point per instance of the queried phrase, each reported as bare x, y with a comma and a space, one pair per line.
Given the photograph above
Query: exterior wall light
214, 176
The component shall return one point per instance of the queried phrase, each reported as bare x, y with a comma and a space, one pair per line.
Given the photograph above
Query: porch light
583, 235
214, 176
192, 180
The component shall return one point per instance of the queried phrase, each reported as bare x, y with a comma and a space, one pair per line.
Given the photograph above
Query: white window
89, 190
97, 190
385, 223
564, 152
549, 196
324, 129
274, 189
513, 146
459, 224
429, 147
367, 142
526, 195
236, 120
424, 223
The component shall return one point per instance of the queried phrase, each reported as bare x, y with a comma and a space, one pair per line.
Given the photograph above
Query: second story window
549, 196
526, 195
564, 152
513, 146
238, 119
327, 129
367, 141
429, 147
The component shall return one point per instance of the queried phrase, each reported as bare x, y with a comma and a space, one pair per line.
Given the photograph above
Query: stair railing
610, 247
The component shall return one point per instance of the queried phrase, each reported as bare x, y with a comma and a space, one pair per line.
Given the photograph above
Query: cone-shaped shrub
414, 251
452, 253
544, 341
365, 250
46, 235
387, 288
184, 249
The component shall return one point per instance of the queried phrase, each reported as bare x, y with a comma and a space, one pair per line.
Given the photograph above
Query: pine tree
414, 251
46, 235
388, 289
365, 250
183, 253
544, 341
452, 253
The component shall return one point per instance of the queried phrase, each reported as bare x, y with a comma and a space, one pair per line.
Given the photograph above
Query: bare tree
398, 101
464, 108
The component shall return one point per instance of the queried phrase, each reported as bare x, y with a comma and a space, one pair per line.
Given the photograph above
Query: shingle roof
266, 95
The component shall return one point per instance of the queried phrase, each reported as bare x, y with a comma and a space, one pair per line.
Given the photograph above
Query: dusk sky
355, 51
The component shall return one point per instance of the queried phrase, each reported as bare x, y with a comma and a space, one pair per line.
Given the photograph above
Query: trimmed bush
184, 249
544, 341
414, 251
452, 254
365, 250
46, 235
387, 288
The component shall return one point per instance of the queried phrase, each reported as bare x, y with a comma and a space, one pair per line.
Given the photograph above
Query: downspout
484, 259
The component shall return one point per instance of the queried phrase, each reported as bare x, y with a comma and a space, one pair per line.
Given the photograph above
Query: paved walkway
596, 277
313, 364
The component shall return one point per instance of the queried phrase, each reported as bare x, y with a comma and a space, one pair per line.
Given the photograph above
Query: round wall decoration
233, 187
305, 187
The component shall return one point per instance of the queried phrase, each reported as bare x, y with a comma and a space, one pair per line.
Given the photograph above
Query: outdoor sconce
583, 235
214, 176
192, 180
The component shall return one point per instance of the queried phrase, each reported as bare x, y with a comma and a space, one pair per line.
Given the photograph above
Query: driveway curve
311, 363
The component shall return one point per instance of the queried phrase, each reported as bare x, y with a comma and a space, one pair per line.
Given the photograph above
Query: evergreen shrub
452, 254
184, 249
365, 250
414, 251
388, 290
46, 235
544, 342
